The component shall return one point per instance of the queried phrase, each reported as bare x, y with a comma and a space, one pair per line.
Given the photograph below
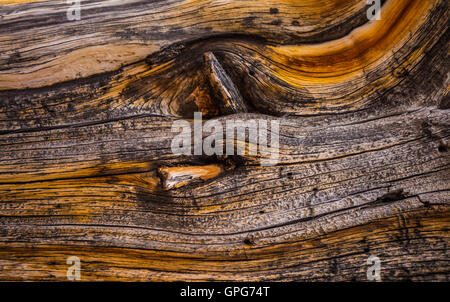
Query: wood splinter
230, 99
176, 177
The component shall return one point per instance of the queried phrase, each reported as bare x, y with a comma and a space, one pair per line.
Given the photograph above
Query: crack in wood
227, 95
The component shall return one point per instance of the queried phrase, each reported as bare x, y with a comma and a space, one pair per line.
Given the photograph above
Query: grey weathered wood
363, 167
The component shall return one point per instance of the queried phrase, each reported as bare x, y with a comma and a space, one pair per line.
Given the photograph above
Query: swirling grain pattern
87, 169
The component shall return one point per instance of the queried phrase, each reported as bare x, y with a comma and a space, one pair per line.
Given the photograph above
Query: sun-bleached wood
87, 170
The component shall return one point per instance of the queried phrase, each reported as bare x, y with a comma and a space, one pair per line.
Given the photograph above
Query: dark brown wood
228, 96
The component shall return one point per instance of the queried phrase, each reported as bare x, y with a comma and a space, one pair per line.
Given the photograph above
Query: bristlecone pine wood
86, 168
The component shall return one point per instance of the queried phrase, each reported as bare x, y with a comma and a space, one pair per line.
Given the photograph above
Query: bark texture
86, 167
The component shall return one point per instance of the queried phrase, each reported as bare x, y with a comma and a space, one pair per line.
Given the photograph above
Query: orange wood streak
80, 63
170, 174
342, 59
241, 262
75, 170
91, 60
14, 2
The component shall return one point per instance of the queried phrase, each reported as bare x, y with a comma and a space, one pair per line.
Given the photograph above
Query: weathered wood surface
86, 109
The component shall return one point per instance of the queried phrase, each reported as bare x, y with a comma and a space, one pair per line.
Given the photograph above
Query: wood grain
87, 170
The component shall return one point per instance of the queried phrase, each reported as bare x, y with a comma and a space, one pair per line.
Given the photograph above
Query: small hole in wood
273, 10
442, 148
248, 241
393, 196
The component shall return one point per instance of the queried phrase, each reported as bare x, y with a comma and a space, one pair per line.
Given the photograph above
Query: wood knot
393, 196
177, 177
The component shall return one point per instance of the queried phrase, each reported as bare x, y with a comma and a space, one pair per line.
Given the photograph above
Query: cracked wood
86, 167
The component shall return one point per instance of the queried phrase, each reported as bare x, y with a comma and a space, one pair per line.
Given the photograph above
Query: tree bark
87, 169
